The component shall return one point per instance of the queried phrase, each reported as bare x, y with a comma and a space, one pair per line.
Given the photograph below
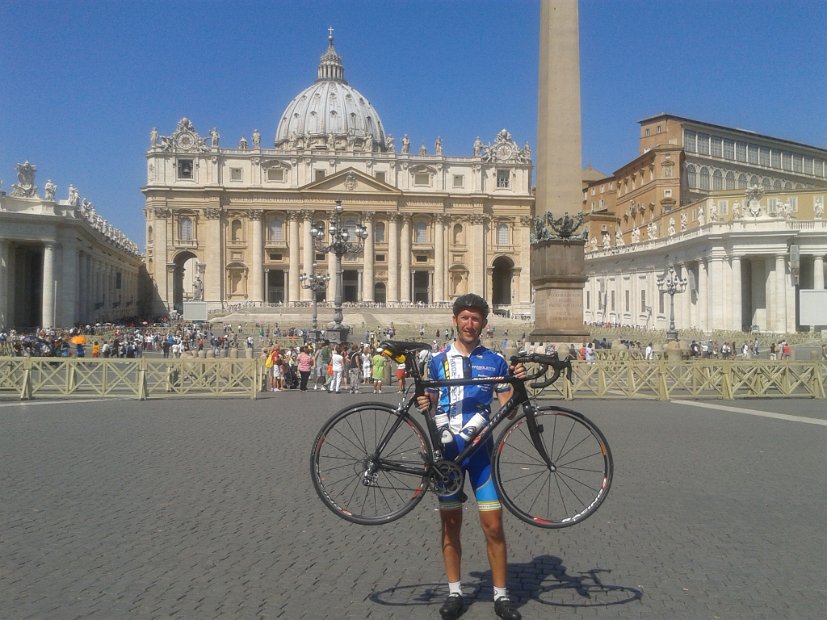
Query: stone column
405, 260
257, 257
160, 252
48, 303
214, 274
293, 285
736, 309
66, 315
5, 281
393, 258
370, 257
717, 288
781, 293
769, 295
558, 266
331, 269
439, 258
703, 296
307, 251
818, 273
477, 255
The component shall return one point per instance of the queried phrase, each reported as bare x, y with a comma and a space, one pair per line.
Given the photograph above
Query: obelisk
557, 263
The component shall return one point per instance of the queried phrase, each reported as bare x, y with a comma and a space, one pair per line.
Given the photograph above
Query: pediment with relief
351, 181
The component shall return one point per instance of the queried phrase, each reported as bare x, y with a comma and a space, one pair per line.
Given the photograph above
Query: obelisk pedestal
557, 268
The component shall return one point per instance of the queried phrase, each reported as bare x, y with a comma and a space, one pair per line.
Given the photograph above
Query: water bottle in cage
473, 427
441, 420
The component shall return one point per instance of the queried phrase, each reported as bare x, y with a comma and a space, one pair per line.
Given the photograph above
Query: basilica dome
330, 114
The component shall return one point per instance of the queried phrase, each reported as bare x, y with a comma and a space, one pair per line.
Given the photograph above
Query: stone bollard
672, 351
202, 354
248, 352
233, 353
210, 353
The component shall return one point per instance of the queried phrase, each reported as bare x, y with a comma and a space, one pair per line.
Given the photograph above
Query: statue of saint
406, 144
256, 138
25, 187
618, 237
635, 234
713, 213
818, 209
736, 210
438, 145
49, 190
671, 230
242, 144
477, 147
74, 196
389, 145
684, 221
607, 244
153, 138
214, 137
701, 216
422, 150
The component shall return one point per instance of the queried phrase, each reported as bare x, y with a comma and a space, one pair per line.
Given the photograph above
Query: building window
459, 181
589, 294
793, 200
276, 229
690, 141
235, 174
380, 176
380, 258
318, 175
118, 279
503, 177
643, 301
765, 183
149, 238
752, 154
612, 306
741, 152
717, 181
691, 177
723, 207
275, 257
379, 232
502, 234
185, 229
420, 232
657, 129
742, 181
796, 163
730, 180
729, 149
275, 174
235, 230
320, 256
704, 178
660, 302
667, 171
717, 147
421, 258
808, 165
647, 132
422, 178
667, 193
764, 156
626, 302
184, 168
775, 159
703, 144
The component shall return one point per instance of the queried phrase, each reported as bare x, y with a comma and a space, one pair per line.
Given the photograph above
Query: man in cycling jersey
457, 410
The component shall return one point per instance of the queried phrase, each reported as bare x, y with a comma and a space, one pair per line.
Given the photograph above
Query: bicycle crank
445, 478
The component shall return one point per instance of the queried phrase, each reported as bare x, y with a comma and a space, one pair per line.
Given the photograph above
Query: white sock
454, 587
499, 593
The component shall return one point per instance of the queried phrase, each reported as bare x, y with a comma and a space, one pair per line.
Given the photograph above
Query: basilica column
48, 304
160, 250
369, 257
393, 258
439, 258
769, 292
294, 269
478, 255
736, 308
781, 293
214, 275
818, 273
307, 251
331, 269
405, 262
257, 267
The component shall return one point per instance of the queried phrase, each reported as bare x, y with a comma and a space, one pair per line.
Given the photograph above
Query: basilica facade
738, 215
234, 224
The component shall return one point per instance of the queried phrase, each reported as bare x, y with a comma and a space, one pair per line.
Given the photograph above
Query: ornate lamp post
340, 245
315, 283
669, 283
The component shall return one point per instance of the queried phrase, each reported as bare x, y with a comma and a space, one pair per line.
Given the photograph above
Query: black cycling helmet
470, 300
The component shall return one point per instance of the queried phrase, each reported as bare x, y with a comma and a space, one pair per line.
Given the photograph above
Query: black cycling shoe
453, 607
504, 608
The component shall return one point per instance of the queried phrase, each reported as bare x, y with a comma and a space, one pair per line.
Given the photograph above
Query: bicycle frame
518, 397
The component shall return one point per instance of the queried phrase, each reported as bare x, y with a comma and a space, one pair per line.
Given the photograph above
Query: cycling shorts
478, 467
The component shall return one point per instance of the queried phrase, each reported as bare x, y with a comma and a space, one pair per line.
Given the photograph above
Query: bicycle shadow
544, 580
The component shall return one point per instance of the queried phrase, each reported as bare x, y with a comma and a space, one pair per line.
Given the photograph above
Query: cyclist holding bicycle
459, 411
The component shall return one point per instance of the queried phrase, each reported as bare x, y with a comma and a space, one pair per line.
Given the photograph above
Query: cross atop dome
330, 66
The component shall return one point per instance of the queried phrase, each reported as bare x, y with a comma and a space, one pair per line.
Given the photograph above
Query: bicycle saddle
401, 347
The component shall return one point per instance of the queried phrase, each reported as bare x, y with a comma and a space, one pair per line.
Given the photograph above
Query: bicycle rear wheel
568, 491
352, 481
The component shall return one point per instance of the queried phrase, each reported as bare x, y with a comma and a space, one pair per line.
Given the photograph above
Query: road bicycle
372, 463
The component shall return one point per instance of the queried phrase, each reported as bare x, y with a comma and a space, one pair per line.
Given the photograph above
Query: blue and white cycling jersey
461, 402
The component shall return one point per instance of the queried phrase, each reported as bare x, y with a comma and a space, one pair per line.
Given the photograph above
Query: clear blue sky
82, 83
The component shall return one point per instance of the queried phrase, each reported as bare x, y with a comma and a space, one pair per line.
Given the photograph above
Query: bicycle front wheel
564, 492
358, 481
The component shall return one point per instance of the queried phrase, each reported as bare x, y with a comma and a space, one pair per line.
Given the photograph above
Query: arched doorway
501, 289
184, 279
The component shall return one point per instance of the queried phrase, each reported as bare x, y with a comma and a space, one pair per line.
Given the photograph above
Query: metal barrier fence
714, 379
140, 378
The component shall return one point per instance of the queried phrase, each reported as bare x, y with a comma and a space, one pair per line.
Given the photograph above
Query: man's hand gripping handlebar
545, 362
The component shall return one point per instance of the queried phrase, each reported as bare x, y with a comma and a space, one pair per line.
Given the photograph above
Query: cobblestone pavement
205, 509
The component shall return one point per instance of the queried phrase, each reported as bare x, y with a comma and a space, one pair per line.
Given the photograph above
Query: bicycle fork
534, 432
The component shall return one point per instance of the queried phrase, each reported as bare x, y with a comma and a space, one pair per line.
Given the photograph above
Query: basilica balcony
421, 247
186, 243
280, 244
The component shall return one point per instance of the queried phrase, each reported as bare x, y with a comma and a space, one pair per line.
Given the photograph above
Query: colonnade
724, 292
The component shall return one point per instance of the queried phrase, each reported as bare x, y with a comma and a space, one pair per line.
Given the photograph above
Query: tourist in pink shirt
305, 364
